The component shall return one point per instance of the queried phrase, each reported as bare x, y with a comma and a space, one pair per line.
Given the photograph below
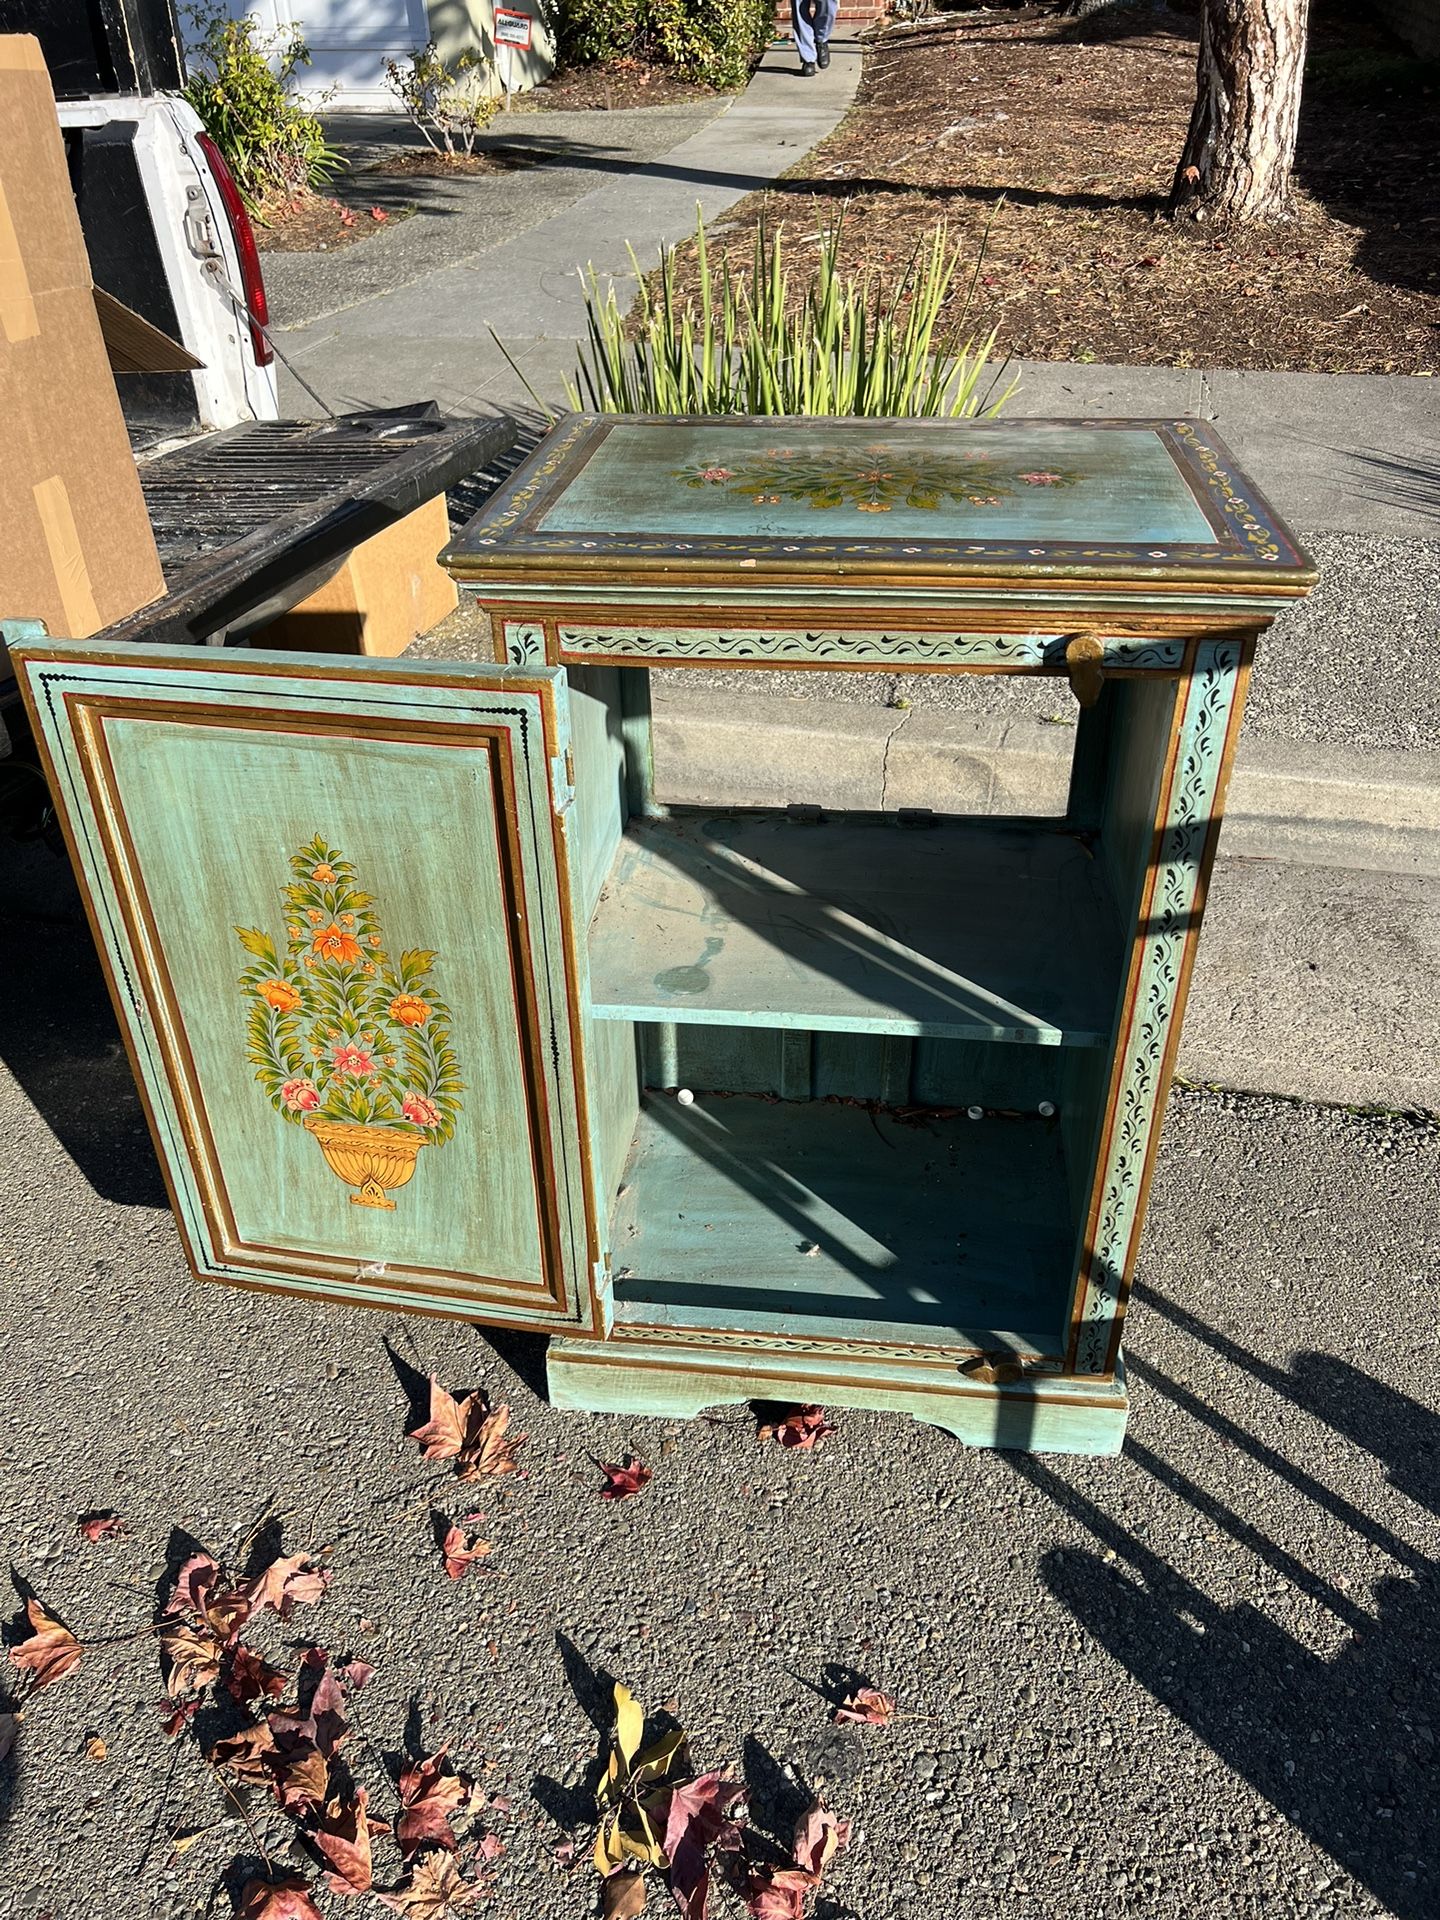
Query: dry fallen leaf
177, 1713
802, 1427
248, 1677
819, 1836
444, 1434
202, 1591
428, 1797
622, 1896
469, 1432
866, 1707
285, 1899
435, 1888
342, 1833
458, 1556
621, 1481
285, 1583
696, 1818
194, 1655
490, 1453
49, 1652
249, 1754
358, 1673
95, 1748
102, 1524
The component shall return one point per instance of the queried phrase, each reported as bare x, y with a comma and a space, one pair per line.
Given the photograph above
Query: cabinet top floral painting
1155, 500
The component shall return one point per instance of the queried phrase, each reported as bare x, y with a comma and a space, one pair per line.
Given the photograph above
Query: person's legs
825, 11
802, 20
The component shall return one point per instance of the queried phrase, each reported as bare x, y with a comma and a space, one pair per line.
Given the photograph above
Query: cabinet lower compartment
848, 1220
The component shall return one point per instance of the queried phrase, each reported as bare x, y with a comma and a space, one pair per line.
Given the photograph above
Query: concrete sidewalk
432, 336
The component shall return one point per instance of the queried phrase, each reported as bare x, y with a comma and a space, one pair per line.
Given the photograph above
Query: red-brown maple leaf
445, 1433
202, 1591
287, 1898
458, 1556
341, 1831
249, 1754
102, 1524
696, 1819
492, 1451
249, 1677
802, 1427
177, 1713
49, 1651
866, 1707
428, 1797
194, 1654
436, 1887
819, 1836
284, 1583
627, 1478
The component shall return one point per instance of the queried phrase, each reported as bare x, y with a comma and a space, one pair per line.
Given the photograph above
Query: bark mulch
1066, 135
314, 223
616, 87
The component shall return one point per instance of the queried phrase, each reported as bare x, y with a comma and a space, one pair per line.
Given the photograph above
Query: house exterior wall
461, 26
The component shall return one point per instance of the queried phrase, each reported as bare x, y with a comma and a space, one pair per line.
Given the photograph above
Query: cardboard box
389, 591
78, 551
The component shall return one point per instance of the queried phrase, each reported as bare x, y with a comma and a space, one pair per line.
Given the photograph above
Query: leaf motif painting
875, 479
346, 1041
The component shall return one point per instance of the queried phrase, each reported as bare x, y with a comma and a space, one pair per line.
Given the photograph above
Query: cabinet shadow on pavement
1344, 1747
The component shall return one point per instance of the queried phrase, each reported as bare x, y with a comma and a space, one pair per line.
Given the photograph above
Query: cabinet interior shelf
960, 929
822, 1218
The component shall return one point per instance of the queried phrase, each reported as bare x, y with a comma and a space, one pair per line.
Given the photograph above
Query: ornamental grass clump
759, 341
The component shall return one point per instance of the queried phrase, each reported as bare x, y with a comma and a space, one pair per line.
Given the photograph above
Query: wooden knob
1084, 661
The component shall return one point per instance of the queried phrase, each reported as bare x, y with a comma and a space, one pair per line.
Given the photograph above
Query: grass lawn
1066, 136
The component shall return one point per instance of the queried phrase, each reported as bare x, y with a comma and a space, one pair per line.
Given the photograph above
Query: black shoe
808, 69
822, 53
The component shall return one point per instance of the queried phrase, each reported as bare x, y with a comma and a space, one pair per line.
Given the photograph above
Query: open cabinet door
332, 900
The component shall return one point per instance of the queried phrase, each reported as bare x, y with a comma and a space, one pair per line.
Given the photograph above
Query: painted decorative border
1248, 535
845, 648
1211, 694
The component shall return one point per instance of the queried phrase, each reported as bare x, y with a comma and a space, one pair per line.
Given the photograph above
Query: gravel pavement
1199, 1680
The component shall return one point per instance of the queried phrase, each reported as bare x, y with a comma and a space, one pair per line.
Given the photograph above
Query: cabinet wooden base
680, 1378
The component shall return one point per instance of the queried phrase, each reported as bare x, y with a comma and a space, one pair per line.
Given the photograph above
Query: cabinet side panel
598, 749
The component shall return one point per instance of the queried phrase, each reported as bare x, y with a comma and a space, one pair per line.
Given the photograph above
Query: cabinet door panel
333, 903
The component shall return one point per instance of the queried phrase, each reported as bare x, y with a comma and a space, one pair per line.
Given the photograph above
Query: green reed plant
759, 341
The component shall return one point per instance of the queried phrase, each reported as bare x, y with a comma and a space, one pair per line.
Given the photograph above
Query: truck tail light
252, 281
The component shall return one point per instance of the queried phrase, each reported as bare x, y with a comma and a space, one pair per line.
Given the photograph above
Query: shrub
747, 344
444, 101
271, 145
714, 42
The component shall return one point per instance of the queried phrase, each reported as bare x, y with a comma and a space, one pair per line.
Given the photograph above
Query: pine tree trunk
1240, 150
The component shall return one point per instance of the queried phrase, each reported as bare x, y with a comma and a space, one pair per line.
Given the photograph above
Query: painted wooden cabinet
434, 1006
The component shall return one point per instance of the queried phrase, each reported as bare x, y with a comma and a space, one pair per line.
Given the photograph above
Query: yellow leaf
657, 1760
629, 1722
608, 1852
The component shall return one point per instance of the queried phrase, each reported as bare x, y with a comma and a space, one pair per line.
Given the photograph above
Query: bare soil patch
1068, 144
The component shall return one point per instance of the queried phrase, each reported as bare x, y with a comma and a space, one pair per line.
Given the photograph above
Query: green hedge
712, 41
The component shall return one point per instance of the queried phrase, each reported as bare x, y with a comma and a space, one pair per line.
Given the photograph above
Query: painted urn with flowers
346, 1041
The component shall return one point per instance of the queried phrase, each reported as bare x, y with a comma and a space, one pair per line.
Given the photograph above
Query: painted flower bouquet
340, 1033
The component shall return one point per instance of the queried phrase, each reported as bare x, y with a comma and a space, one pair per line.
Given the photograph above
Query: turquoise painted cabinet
435, 1005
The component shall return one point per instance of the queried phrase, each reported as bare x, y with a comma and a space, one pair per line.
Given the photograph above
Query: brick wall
1417, 22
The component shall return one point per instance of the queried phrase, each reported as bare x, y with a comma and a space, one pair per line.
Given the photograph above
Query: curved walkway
430, 338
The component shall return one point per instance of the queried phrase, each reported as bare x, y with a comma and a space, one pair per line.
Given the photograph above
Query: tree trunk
1240, 150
